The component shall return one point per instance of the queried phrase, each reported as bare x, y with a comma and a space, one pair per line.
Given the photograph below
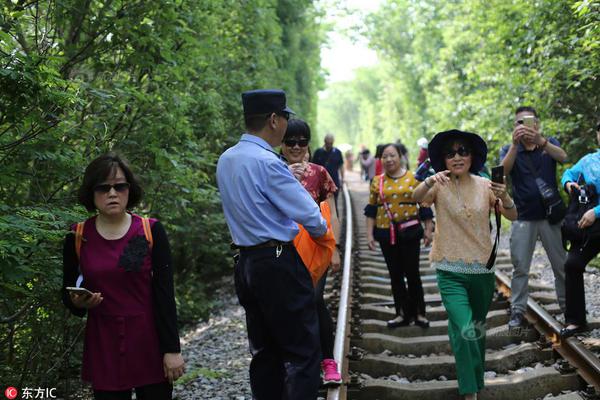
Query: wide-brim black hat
440, 140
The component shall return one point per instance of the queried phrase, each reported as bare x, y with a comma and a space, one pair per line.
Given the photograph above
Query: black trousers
157, 391
283, 331
577, 258
325, 321
402, 260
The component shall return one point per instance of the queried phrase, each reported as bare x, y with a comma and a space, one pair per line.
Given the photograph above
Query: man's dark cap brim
478, 149
265, 101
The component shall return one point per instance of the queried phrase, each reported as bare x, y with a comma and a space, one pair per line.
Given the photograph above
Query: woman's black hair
101, 169
400, 148
297, 128
379, 150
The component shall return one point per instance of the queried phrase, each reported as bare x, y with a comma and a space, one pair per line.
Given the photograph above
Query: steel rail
342, 336
571, 349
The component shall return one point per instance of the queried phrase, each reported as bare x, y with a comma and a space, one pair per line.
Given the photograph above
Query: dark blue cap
265, 101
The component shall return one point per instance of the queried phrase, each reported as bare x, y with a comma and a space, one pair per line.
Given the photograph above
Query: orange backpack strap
148, 232
79, 238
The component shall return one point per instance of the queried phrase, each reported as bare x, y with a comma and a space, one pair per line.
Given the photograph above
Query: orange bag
316, 253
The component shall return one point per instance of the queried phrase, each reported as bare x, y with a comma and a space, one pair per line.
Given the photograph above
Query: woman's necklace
111, 230
403, 172
460, 200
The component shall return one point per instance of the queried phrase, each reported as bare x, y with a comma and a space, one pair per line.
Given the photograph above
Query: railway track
416, 363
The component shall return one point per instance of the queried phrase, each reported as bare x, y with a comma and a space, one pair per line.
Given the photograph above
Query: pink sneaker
330, 372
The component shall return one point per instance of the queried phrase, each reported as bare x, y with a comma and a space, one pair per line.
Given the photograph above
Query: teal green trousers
467, 298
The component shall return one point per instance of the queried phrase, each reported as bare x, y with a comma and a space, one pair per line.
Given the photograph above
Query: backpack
79, 234
580, 202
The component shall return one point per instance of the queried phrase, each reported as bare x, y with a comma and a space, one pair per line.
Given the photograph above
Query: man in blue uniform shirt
262, 201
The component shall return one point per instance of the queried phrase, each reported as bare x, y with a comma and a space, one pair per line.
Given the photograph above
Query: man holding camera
531, 163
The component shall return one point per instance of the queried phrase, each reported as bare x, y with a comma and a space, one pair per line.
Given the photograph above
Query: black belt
267, 244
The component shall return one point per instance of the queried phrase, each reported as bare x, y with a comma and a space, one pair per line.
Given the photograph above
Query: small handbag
580, 202
408, 230
554, 206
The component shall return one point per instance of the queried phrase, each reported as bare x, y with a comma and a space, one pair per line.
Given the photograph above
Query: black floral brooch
133, 256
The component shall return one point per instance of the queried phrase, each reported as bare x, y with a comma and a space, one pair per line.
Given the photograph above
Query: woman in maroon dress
320, 185
131, 339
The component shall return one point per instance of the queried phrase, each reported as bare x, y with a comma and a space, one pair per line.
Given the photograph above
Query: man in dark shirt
331, 158
530, 149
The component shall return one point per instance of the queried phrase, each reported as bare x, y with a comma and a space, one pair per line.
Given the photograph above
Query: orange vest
316, 253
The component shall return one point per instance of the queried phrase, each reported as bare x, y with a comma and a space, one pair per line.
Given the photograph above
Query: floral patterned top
317, 182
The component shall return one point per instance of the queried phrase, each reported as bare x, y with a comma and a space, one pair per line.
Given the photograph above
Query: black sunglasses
461, 151
293, 142
105, 187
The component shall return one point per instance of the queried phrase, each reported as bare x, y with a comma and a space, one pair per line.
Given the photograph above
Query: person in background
320, 186
423, 155
262, 201
349, 160
580, 254
378, 164
392, 219
530, 150
131, 338
331, 158
462, 245
367, 163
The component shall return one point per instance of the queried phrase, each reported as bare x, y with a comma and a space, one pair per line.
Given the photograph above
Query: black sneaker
516, 320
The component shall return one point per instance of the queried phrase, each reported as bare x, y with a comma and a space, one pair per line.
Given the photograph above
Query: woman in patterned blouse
320, 185
393, 221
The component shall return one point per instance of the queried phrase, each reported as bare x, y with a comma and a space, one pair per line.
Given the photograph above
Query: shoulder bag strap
79, 238
531, 166
148, 232
78, 242
386, 206
492, 259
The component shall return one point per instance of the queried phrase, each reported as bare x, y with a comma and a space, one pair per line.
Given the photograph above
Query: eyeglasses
461, 151
293, 142
105, 187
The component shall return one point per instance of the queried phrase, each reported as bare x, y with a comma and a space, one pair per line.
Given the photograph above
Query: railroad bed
416, 363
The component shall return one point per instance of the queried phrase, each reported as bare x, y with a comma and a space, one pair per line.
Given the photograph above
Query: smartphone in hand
498, 174
79, 290
529, 121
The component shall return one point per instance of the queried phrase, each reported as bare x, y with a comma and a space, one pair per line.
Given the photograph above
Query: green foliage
158, 81
468, 64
